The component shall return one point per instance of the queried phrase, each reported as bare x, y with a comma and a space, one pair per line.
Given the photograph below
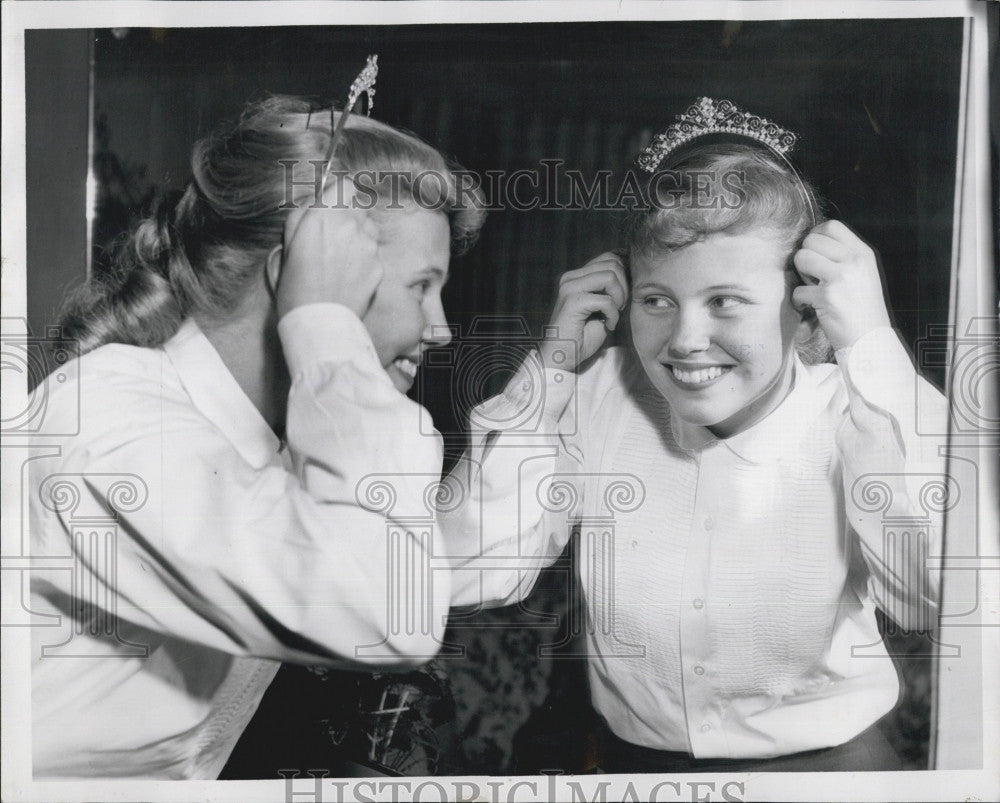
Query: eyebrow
713, 289
645, 285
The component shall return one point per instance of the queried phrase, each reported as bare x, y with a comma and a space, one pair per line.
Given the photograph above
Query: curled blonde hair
201, 250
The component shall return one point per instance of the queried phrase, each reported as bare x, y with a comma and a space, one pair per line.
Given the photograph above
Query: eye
422, 286
726, 303
656, 303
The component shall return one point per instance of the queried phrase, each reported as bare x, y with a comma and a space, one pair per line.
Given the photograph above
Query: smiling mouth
407, 367
699, 376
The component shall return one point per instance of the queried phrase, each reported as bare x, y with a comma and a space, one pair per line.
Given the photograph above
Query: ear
272, 269
807, 326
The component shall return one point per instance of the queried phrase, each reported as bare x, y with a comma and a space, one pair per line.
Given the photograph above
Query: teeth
699, 376
407, 366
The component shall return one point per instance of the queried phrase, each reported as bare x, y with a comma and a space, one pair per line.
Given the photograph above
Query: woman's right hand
329, 254
587, 309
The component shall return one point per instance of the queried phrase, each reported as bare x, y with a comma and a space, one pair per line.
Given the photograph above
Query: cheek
390, 320
647, 332
761, 338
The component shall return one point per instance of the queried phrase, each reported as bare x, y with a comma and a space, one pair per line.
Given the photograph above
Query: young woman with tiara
243, 369
728, 477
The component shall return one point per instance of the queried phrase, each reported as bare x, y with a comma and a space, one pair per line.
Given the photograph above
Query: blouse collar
770, 437
218, 396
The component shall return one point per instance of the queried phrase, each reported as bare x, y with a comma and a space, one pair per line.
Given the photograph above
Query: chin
700, 414
402, 385
400, 379
699, 418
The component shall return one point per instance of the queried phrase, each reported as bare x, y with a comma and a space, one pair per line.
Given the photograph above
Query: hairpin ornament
707, 116
364, 84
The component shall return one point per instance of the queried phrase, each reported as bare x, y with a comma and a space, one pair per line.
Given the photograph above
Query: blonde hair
765, 193
202, 249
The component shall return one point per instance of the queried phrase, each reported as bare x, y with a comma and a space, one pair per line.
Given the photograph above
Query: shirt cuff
532, 402
324, 332
879, 369
533, 385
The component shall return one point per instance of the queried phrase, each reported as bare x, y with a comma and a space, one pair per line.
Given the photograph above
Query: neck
249, 346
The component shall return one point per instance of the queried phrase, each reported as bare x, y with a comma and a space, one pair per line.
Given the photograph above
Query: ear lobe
272, 269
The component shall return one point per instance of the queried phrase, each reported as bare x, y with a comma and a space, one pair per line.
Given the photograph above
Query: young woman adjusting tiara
238, 316
718, 469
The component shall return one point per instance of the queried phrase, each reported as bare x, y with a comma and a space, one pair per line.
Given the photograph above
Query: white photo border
971, 300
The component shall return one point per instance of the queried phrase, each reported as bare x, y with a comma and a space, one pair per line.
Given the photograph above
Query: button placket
698, 699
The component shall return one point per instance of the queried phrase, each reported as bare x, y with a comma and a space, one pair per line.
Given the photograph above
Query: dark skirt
866, 752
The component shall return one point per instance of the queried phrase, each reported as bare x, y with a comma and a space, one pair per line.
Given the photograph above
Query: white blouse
194, 553
730, 585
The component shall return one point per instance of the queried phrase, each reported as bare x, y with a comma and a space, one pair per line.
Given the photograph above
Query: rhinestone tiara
708, 116
364, 84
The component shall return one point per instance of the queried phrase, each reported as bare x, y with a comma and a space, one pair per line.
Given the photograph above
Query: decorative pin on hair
708, 116
364, 84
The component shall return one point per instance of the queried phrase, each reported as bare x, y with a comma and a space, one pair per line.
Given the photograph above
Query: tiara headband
707, 116
364, 84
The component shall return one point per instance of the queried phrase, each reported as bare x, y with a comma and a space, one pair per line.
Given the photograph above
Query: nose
691, 333
437, 332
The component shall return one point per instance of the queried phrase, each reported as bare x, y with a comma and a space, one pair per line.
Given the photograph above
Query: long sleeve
517, 487
253, 559
895, 484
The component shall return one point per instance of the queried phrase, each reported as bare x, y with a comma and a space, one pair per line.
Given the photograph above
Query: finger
843, 234
369, 228
606, 310
816, 266
587, 305
605, 281
611, 318
339, 192
827, 246
292, 223
833, 228
805, 296
607, 256
610, 260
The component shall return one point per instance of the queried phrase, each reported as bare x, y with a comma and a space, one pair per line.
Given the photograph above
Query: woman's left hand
844, 286
328, 254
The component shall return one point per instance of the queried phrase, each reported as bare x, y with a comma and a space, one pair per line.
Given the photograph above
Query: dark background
875, 102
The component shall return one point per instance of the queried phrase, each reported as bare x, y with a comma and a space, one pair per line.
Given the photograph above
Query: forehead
715, 259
